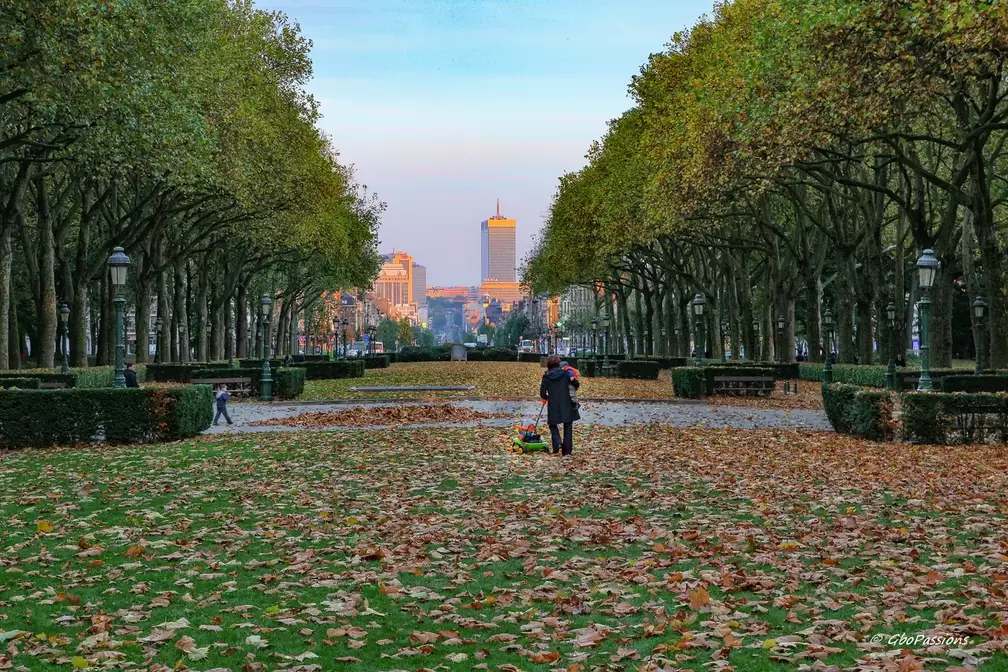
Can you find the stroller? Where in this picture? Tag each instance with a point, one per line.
(528, 440)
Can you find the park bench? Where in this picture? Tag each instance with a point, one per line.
(236, 386)
(743, 384)
(52, 385)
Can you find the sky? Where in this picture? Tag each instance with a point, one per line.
(445, 106)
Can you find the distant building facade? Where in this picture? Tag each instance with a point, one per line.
(419, 284)
(498, 252)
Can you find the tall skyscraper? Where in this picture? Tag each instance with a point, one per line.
(498, 248)
(419, 284)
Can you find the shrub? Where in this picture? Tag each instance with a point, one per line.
(638, 369)
(663, 362)
(492, 355)
(69, 379)
(529, 356)
(310, 358)
(376, 362)
(851, 374)
(689, 382)
(348, 368)
(942, 418)
(177, 372)
(779, 370)
(974, 384)
(114, 416)
(19, 383)
(416, 354)
(257, 363)
(863, 413)
(288, 382)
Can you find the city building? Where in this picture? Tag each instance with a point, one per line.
(498, 255)
(504, 292)
(419, 295)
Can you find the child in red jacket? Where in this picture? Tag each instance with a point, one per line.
(572, 374)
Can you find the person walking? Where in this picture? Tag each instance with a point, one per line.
(222, 397)
(560, 410)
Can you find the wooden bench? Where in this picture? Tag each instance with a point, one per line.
(743, 384)
(52, 385)
(236, 386)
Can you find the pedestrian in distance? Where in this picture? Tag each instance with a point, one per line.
(131, 376)
(560, 410)
(222, 398)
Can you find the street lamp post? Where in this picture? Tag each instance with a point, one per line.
(891, 371)
(345, 323)
(594, 326)
(118, 264)
(158, 327)
(664, 343)
(266, 377)
(605, 344)
(780, 338)
(827, 371)
(209, 330)
(979, 307)
(698, 309)
(64, 314)
(927, 268)
(756, 340)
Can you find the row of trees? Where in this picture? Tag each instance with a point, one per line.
(180, 130)
(788, 156)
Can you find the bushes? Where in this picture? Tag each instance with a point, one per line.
(779, 370)
(415, 354)
(288, 382)
(974, 384)
(180, 373)
(114, 416)
(530, 357)
(862, 413)
(638, 369)
(663, 362)
(19, 383)
(941, 418)
(376, 361)
(868, 375)
(492, 355)
(68, 380)
(689, 382)
(348, 368)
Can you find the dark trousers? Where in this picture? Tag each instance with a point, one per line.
(568, 438)
(222, 409)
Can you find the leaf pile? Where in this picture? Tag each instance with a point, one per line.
(661, 549)
(375, 416)
(809, 397)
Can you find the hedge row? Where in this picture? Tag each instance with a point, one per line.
(376, 361)
(492, 355)
(973, 384)
(288, 382)
(637, 369)
(863, 413)
(113, 416)
(942, 418)
(692, 382)
(86, 378)
(19, 383)
(779, 370)
(418, 354)
(663, 362)
(874, 375)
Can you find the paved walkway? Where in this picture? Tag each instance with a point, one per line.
(610, 413)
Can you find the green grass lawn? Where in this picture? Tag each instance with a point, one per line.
(658, 549)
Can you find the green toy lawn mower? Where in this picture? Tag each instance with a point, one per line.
(528, 440)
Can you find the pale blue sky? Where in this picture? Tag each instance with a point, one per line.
(445, 106)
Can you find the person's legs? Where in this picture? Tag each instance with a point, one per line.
(226, 416)
(568, 438)
(555, 435)
(217, 417)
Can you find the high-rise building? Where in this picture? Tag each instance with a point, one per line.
(395, 281)
(498, 248)
(419, 284)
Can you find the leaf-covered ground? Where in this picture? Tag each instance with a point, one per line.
(651, 548)
(513, 380)
(364, 416)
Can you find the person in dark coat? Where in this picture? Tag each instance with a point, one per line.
(130, 376)
(559, 410)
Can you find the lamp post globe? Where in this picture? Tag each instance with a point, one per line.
(927, 269)
(979, 308)
(266, 376)
(64, 316)
(699, 303)
(119, 264)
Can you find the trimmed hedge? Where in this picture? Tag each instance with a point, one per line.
(492, 355)
(86, 378)
(348, 368)
(529, 357)
(935, 417)
(178, 372)
(275, 362)
(637, 369)
(417, 354)
(779, 370)
(862, 413)
(689, 382)
(663, 362)
(288, 382)
(113, 416)
(19, 383)
(973, 384)
(376, 361)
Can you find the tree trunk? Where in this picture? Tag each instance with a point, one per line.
(181, 312)
(104, 352)
(939, 319)
(6, 305)
(45, 348)
(241, 322)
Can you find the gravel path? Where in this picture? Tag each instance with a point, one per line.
(609, 413)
